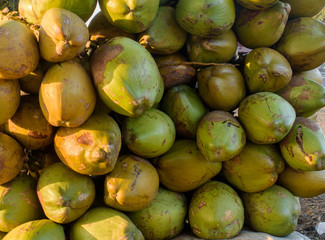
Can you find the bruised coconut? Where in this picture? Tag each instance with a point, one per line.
(62, 36)
(92, 148)
(11, 158)
(19, 50)
(304, 146)
(9, 98)
(126, 76)
(29, 126)
(67, 96)
(132, 184)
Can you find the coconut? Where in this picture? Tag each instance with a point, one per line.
(9, 98)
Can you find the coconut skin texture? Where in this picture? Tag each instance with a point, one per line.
(94, 224)
(255, 168)
(206, 18)
(164, 218)
(37, 229)
(19, 202)
(33, 10)
(9, 98)
(274, 211)
(216, 211)
(92, 148)
(302, 43)
(164, 36)
(64, 194)
(266, 70)
(266, 117)
(19, 49)
(67, 96)
(62, 36)
(301, 8)
(220, 136)
(126, 76)
(132, 184)
(183, 168)
(11, 158)
(133, 16)
(256, 4)
(304, 146)
(261, 28)
(29, 126)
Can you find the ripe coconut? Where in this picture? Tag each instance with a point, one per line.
(11, 158)
(29, 126)
(62, 36)
(19, 50)
(67, 96)
(9, 98)
(33, 10)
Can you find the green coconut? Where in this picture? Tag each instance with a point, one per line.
(266, 70)
(18, 202)
(305, 184)
(302, 8)
(218, 49)
(183, 168)
(131, 185)
(255, 168)
(33, 10)
(216, 211)
(221, 87)
(256, 4)
(261, 28)
(274, 211)
(130, 16)
(305, 95)
(302, 43)
(266, 117)
(104, 223)
(304, 146)
(149, 135)
(12, 157)
(62, 36)
(206, 18)
(19, 50)
(164, 36)
(174, 70)
(64, 194)
(126, 76)
(184, 106)
(37, 229)
(164, 218)
(92, 148)
(29, 126)
(220, 136)
(101, 30)
(9, 98)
